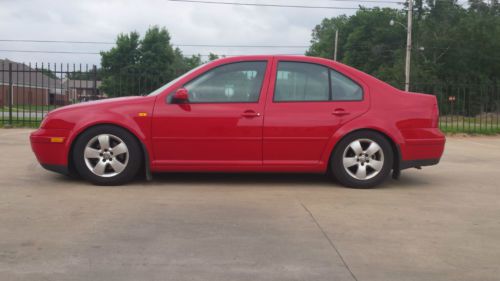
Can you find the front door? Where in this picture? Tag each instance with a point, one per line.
(220, 126)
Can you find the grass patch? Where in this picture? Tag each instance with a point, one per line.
(470, 128)
(29, 108)
(20, 123)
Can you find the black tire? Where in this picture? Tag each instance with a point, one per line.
(345, 177)
(132, 166)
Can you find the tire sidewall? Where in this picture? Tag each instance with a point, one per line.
(134, 150)
(337, 167)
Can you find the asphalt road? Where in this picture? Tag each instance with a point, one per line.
(441, 223)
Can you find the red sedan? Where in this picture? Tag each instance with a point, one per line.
(249, 114)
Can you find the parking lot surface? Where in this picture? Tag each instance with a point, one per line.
(441, 223)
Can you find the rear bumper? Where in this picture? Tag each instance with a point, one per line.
(50, 148)
(425, 145)
(418, 163)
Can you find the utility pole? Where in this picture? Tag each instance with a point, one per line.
(336, 44)
(408, 45)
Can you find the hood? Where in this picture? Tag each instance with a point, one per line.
(100, 111)
(99, 103)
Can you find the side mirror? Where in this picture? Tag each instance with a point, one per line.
(180, 96)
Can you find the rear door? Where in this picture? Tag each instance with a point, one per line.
(306, 104)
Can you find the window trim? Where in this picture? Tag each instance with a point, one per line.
(330, 92)
(170, 95)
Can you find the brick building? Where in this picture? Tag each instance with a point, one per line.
(83, 90)
(29, 86)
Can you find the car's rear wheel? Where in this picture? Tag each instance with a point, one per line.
(362, 160)
(107, 155)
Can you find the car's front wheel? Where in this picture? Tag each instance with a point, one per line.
(107, 155)
(362, 160)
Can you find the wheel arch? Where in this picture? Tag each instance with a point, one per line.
(394, 145)
(144, 149)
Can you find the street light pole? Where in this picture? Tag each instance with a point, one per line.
(408, 45)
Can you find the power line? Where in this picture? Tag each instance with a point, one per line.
(176, 45)
(202, 55)
(240, 46)
(366, 1)
(49, 52)
(90, 53)
(307, 7)
(55, 41)
(264, 5)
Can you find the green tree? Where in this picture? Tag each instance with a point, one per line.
(138, 66)
(49, 73)
(366, 41)
(213, 56)
(323, 37)
(156, 59)
(87, 74)
(120, 65)
(452, 44)
(183, 64)
(373, 45)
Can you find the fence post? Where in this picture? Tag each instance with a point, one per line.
(94, 77)
(11, 93)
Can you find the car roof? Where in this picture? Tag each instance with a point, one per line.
(300, 58)
(257, 57)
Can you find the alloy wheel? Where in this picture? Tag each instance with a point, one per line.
(106, 155)
(363, 159)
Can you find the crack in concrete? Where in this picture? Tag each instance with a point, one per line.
(329, 241)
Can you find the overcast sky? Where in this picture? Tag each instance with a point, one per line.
(188, 23)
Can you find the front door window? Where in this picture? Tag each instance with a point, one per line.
(236, 82)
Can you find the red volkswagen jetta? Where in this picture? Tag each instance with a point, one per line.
(249, 114)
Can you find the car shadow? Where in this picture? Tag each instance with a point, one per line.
(241, 179)
(275, 179)
(409, 180)
(406, 181)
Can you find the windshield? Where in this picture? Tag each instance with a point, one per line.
(162, 88)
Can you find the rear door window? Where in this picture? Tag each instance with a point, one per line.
(298, 81)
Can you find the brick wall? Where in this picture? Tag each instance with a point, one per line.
(25, 95)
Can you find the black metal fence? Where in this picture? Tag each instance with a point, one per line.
(466, 107)
(29, 91)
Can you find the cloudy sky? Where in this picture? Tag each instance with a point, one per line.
(188, 23)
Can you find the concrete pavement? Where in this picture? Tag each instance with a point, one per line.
(441, 223)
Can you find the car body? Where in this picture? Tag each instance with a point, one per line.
(254, 114)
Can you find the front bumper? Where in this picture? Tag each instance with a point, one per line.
(51, 148)
(60, 169)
